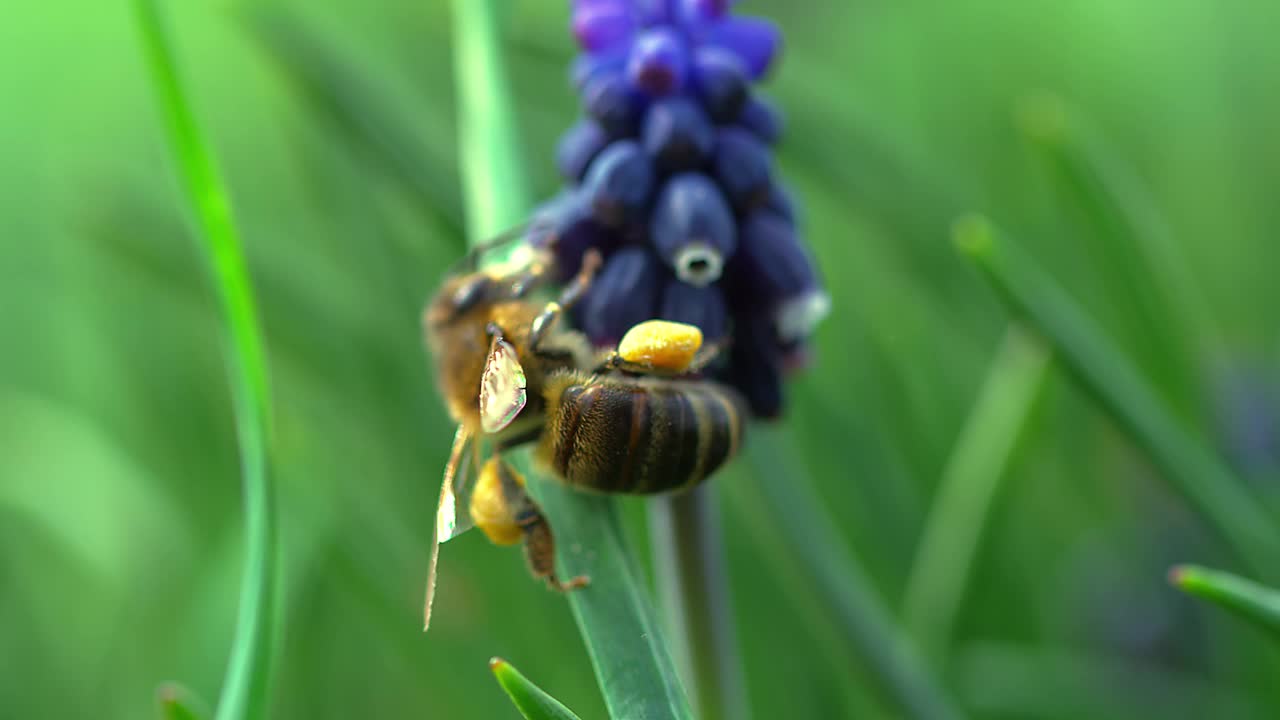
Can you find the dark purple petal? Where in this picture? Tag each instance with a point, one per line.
(609, 99)
(624, 294)
(658, 63)
(771, 264)
(600, 26)
(722, 83)
(578, 147)
(567, 227)
(743, 168)
(677, 134)
(782, 202)
(619, 182)
(755, 366)
(692, 228)
(755, 40)
(701, 12)
(762, 118)
(700, 306)
(587, 67)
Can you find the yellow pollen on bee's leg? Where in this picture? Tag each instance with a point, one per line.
(490, 508)
(661, 344)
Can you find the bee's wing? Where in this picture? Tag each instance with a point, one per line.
(502, 387)
(452, 516)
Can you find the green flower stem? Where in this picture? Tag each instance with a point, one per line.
(781, 507)
(246, 688)
(936, 586)
(689, 565)
(1121, 390)
(614, 614)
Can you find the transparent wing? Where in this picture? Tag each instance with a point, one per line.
(447, 515)
(502, 387)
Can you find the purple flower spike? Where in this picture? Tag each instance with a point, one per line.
(755, 40)
(693, 229)
(658, 62)
(625, 293)
(602, 24)
(567, 227)
(578, 147)
(700, 306)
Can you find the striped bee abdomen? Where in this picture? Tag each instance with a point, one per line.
(655, 436)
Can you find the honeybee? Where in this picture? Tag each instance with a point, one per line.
(632, 420)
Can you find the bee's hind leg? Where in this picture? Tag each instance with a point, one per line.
(540, 552)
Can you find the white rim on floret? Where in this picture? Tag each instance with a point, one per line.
(698, 263)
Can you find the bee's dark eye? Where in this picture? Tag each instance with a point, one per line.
(470, 293)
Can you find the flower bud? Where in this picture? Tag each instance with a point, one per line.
(756, 41)
(618, 183)
(743, 168)
(625, 293)
(677, 134)
(578, 147)
(755, 366)
(602, 24)
(692, 228)
(774, 272)
(567, 228)
(609, 99)
(658, 63)
(721, 82)
(703, 307)
(760, 117)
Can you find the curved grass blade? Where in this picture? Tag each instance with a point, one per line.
(780, 506)
(936, 586)
(245, 691)
(177, 703)
(614, 614)
(532, 701)
(1257, 603)
(1103, 372)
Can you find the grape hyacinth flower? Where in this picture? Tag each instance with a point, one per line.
(670, 175)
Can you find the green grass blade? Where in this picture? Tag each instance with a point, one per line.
(533, 702)
(693, 585)
(1122, 391)
(780, 506)
(939, 576)
(1256, 603)
(614, 614)
(177, 703)
(245, 691)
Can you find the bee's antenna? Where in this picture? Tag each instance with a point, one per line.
(471, 261)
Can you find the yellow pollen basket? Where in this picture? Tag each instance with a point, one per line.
(490, 509)
(661, 344)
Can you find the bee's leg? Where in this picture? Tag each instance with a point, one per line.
(706, 354)
(540, 551)
(572, 293)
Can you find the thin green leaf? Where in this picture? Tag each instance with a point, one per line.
(1250, 600)
(614, 614)
(533, 702)
(939, 576)
(780, 506)
(245, 691)
(689, 566)
(177, 703)
(1122, 391)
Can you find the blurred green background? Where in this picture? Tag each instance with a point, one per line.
(120, 523)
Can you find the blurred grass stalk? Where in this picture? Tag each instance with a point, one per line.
(1253, 602)
(246, 687)
(1121, 390)
(614, 616)
(781, 508)
(693, 588)
(939, 576)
